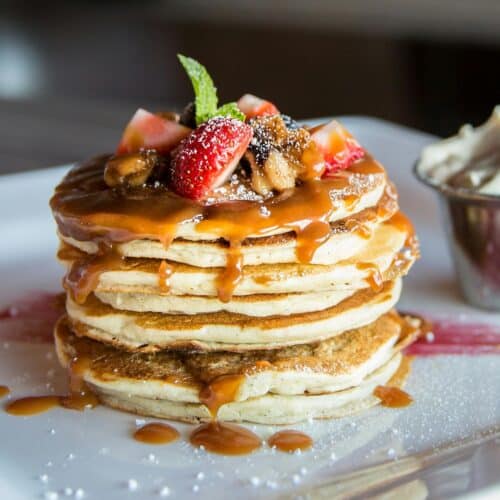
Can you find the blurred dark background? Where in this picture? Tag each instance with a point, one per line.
(72, 73)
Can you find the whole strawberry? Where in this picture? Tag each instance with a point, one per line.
(208, 156)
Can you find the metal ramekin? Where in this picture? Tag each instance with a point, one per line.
(472, 223)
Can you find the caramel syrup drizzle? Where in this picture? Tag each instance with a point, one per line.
(374, 278)
(79, 398)
(220, 391)
(4, 391)
(87, 210)
(232, 274)
(165, 271)
(221, 437)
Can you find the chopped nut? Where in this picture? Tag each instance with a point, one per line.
(130, 170)
(279, 172)
(259, 181)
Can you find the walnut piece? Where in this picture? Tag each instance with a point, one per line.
(130, 170)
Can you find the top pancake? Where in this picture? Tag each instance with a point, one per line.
(86, 209)
(384, 251)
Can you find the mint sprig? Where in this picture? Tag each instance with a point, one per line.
(231, 109)
(205, 93)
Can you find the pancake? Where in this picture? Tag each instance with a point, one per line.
(223, 330)
(282, 304)
(84, 207)
(347, 237)
(329, 378)
(386, 255)
(270, 409)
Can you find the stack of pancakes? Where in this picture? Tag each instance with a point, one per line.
(278, 321)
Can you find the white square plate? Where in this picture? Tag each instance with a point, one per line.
(457, 398)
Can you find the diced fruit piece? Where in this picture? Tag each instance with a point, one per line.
(208, 156)
(254, 106)
(338, 146)
(149, 131)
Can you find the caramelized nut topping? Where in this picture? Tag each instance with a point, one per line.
(260, 183)
(130, 170)
(279, 172)
(276, 154)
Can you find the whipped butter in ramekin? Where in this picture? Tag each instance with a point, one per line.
(465, 171)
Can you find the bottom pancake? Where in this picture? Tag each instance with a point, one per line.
(332, 378)
(270, 409)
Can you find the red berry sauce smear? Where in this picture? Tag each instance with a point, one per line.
(447, 336)
(31, 318)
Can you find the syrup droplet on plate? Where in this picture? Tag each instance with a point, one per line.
(225, 439)
(392, 397)
(32, 405)
(156, 433)
(4, 390)
(290, 441)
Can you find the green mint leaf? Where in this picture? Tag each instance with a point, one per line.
(231, 110)
(205, 93)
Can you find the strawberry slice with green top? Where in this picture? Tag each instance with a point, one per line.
(254, 106)
(339, 148)
(149, 131)
(208, 156)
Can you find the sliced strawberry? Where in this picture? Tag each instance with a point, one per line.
(208, 156)
(338, 146)
(254, 106)
(149, 131)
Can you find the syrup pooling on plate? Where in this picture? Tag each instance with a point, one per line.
(80, 396)
(87, 210)
(79, 399)
(4, 391)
